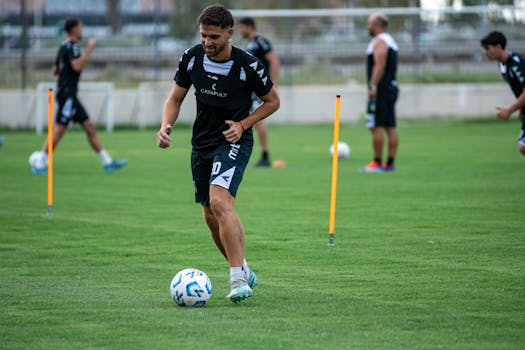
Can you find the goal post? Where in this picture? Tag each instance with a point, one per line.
(99, 102)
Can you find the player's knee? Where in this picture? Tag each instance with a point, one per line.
(90, 128)
(220, 206)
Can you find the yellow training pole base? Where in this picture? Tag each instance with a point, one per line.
(330, 240)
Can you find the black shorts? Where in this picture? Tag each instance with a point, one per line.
(70, 109)
(381, 111)
(222, 167)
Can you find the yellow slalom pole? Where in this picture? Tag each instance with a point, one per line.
(50, 152)
(335, 160)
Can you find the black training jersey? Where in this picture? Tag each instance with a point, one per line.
(223, 91)
(513, 71)
(389, 77)
(259, 47)
(67, 77)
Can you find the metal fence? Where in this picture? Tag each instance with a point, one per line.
(315, 45)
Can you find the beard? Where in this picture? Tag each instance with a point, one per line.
(371, 33)
(215, 50)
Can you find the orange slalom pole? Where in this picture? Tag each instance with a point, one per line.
(50, 152)
(335, 161)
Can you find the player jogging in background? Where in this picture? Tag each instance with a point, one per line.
(261, 48)
(382, 93)
(68, 66)
(224, 78)
(512, 68)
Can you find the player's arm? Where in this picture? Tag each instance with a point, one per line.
(78, 63)
(55, 69)
(505, 113)
(271, 103)
(170, 113)
(275, 66)
(380, 57)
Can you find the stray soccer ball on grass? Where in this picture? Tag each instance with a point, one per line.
(190, 287)
(38, 160)
(343, 150)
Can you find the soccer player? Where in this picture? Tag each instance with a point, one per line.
(224, 78)
(512, 68)
(261, 48)
(382, 93)
(68, 66)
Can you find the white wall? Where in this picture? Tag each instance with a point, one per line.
(300, 104)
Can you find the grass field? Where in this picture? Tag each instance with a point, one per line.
(432, 256)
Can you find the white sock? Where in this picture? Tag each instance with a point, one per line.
(236, 273)
(105, 158)
(247, 270)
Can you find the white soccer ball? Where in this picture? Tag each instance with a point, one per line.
(38, 160)
(191, 287)
(343, 150)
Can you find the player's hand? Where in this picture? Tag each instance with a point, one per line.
(163, 137)
(91, 43)
(234, 133)
(520, 117)
(372, 93)
(503, 113)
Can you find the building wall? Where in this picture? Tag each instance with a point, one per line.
(301, 104)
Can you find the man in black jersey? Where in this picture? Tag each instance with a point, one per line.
(381, 70)
(261, 48)
(68, 66)
(224, 78)
(512, 68)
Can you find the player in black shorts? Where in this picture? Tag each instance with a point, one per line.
(382, 93)
(512, 68)
(261, 48)
(68, 66)
(224, 78)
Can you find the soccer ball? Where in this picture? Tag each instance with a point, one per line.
(190, 287)
(343, 150)
(38, 160)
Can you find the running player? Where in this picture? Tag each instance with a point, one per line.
(261, 48)
(68, 66)
(224, 78)
(382, 92)
(512, 68)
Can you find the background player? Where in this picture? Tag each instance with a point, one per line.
(382, 92)
(512, 68)
(224, 78)
(68, 66)
(261, 48)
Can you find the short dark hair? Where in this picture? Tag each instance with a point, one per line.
(216, 15)
(247, 21)
(382, 20)
(70, 23)
(494, 38)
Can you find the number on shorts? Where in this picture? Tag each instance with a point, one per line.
(216, 169)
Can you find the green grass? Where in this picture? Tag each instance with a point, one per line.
(431, 256)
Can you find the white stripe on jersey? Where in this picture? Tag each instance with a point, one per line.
(221, 68)
(387, 38)
(190, 63)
